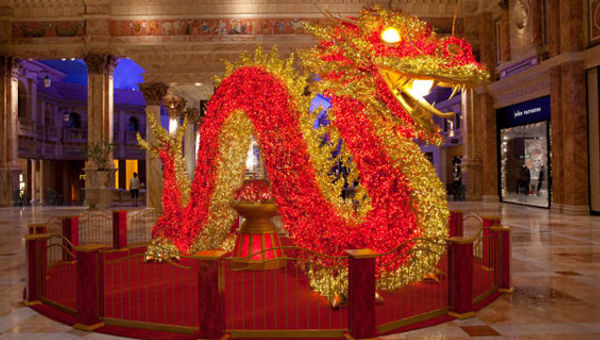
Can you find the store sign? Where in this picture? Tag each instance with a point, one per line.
(533, 111)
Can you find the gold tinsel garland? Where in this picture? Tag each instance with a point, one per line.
(175, 145)
(234, 141)
(429, 196)
(320, 156)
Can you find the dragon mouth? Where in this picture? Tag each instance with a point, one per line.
(410, 93)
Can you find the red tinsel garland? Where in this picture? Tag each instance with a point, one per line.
(309, 217)
(254, 191)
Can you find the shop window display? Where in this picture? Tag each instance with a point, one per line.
(524, 166)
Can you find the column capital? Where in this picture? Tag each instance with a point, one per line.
(154, 92)
(10, 66)
(100, 63)
(175, 105)
(194, 115)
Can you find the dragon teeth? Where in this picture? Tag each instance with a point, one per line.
(454, 90)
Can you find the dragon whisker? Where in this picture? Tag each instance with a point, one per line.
(455, 15)
(454, 90)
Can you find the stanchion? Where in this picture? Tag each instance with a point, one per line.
(456, 223)
(361, 293)
(119, 229)
(211, 293)
(70, 231)
(502, 277)
(460, 277)
(37, 262)
(90, 287)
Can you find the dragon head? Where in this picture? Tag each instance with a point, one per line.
(393, 60)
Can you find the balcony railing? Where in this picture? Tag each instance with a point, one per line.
(26, 127)
(52, 133)
(74, 135)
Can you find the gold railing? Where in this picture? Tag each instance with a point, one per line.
(140, 224)
(156, 296)
(276, 303)
(418, 289)
(59, 286)
(95, 226)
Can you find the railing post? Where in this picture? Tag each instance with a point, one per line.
(90, 287)
(486, 241)
(502, 277)
(456, 223)
(211, 293)
(70, 231)
(460, 277)
(361, 293)
(37, 262)
(119, 229)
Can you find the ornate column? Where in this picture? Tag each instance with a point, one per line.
(472, 162)
(487, 113)
(505, 27)
(32, 111)
(32, 191)
(99, 185)
(189, 143)
(553, 12)
(536, 18)
(9, 166)
(556, 137)
(571, 25)
(573, 120)
(490, 148)
(153, 93)
(570, 172)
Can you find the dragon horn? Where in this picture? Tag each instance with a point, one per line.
(352, 22)
(410, 38)
(455, 15)
(337, 20)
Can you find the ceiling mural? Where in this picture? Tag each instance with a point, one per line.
(48, 29)
(202, 28)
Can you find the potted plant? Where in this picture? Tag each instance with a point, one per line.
(98, 153)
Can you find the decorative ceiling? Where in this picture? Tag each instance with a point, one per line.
(182, 42)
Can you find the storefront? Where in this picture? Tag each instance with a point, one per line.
(524, 165)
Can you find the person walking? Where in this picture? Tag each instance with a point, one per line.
(134, 187)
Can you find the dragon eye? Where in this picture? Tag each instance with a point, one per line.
(390, 35)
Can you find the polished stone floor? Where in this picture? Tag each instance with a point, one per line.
(556, 275)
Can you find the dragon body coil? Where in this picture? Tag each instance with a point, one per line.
(374, 81)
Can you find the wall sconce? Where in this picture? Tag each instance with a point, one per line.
(47, 81)
(66, 116)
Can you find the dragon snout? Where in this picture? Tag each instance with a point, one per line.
(410, 91)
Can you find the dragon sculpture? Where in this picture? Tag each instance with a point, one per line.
(375, 69)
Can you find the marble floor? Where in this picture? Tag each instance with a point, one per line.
(556, 275)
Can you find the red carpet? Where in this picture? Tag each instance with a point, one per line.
(254, 300)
